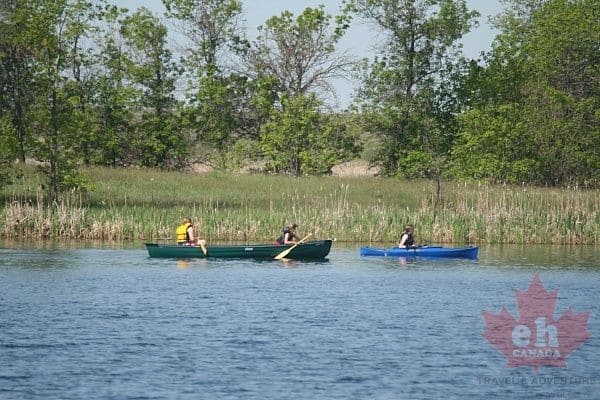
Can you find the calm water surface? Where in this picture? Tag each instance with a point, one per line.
(97, 322)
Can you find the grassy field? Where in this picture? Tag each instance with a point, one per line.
(134, 204)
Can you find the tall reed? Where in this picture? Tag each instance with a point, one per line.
(131, 204)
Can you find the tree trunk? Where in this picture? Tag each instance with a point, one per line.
(53, 153)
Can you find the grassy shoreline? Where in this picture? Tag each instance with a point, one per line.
(134, 204)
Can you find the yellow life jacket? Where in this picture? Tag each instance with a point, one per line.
(182, 233)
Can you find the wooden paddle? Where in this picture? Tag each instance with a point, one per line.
(287, 251)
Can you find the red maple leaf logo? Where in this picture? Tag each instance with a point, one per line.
(536, 339)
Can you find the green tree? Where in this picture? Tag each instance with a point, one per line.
(8, 151)
(540, 88)
(300, 52)
(56, 29)
(81, 68)
(216, 92)
(17, 57)
(158, 140)
(211, 28)
(498, 128)
(114, 96)
(564, 91)
(297, 59)
(300, 140)
(405, 92)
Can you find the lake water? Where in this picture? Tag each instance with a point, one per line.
(106, 322)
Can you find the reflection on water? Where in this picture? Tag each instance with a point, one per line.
(65, 244)
(190, 263)
(80, 321)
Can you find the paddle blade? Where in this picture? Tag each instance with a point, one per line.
(283, 253)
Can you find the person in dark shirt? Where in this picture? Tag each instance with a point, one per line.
(288, 235)
(407, 239)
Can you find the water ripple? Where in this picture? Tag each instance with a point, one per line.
(96, 323)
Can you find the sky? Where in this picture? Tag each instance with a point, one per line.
(256, 12)
(359, 40)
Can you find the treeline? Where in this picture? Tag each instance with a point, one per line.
(86, 82)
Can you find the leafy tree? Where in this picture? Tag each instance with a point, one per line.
(81, 72)
(159, 140)
(300, 140)
(300, 52)
(212, 29)
(114, 96)
(295, 59)
(547, 57)
(17, 90)
(56, 30)
(500, 129)
(405, 89)
(8, 151)
(213, 114)
(564, 90)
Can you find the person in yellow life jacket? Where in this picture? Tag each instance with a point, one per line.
(186, 235)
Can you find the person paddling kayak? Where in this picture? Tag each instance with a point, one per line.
(407, 239)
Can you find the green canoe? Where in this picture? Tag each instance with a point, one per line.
(304, 251)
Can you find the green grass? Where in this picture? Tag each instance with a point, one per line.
(135, 204)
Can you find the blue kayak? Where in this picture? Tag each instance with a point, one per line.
(422, 251)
